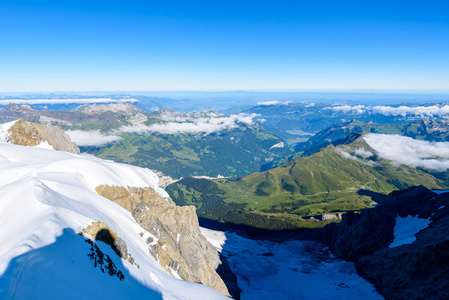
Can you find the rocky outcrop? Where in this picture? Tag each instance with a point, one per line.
(181, 248)
(410, 271)
(32, 134)
(100, 231)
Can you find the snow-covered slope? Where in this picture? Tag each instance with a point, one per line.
(4, 130)
(46, 198)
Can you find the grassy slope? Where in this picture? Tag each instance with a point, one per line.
(285, 197)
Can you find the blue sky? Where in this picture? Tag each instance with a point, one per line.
(223, 45)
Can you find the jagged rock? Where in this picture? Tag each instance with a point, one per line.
(181, 248)
(360, 234)
(410, 271)
(32, 134)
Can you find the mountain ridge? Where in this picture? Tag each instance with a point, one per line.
(293, 195)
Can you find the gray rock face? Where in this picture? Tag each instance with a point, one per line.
(181, 248)
(31, 134)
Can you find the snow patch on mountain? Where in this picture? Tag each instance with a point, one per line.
(406, 228)
(215, 237)
(440, 191)
(4, 130)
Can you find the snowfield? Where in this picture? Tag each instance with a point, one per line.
(289, 270)
(46, 198)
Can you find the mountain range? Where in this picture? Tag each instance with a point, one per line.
(108, 224)
(306, 192)
(175, 144)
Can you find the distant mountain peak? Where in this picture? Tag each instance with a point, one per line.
(16, 108)
(127, 108)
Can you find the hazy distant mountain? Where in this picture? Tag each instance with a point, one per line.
(424, 129)
(176, 144)
(65, 102)
(298, 121)
(200, 144)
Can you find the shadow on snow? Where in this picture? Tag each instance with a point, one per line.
(70, 269)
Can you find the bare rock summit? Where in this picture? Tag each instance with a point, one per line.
(32, 134)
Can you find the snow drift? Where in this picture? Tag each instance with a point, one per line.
(46, 198)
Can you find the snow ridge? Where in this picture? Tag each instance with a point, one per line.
(46, 197)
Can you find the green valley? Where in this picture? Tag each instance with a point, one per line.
(229, 153)
(301, 192)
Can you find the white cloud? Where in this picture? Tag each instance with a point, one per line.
(421, 111)
(65, 101)
(410, 152)
(363, 152)
(360, 152)
(172, 123)
(204, 122)
(275, 102)
(357, 109)
(91, 138)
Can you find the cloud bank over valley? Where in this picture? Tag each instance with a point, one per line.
(410, 152)
(168, 123)
(275, 102)
(91, 138)
(441, 111)
(66, 101)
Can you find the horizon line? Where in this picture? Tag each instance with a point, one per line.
(330, 91)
